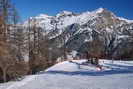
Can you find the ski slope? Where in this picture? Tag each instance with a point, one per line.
(74, 75)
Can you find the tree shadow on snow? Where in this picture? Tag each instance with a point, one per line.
(116, 69)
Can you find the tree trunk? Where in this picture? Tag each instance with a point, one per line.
(112, 60)
(97, 61)
(4, 74)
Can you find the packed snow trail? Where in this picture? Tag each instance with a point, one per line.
(68, 75)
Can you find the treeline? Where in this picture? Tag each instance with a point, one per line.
(23, 49)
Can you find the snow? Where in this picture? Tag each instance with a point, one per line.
(128, 21)
(79, 19)
(74, 75)
(123, 36)
(22, 83)
(72, 55)
(44, 20)
(64, 13)
(109, 30)
(100, 10)
(88, 40)
(43, 16)
(67, 18)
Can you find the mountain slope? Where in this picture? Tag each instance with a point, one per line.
(73, 75)
(68, 28)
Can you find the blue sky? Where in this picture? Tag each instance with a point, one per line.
(27, 8)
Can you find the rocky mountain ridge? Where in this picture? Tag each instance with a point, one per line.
(76, 31)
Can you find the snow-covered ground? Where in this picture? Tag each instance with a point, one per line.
(74, 75)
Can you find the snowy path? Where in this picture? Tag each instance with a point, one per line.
(69, 75)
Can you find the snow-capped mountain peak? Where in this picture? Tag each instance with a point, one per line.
(123, 19)
(83, 27)
(64, 13)
(67, 18)
(100, 10)
(43, 15)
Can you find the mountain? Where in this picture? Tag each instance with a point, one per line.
(76, 31)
